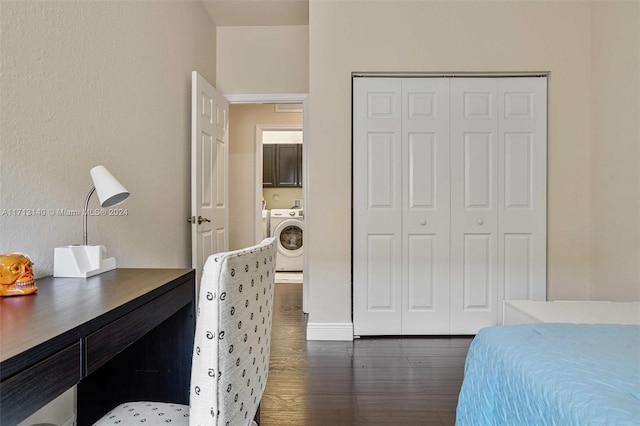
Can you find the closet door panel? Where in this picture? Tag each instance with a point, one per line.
(420, 275)
(377, 206)
(422, 171)
(426, 202)
(479, 180)
(517, 267)
(522, 159)
(474, 213)
(380, 270)
(478, 272)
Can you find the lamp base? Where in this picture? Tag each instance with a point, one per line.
(81, 261)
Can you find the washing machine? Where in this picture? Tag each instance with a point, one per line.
(286, 226)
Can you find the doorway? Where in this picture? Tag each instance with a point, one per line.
(249, 117)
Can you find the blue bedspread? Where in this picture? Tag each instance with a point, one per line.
(552, 374)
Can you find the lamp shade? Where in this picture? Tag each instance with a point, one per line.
(110, 191)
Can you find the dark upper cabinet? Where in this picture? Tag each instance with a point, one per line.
(268, 166)
(287, 165)
(282, 165)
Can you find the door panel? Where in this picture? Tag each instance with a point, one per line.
(426, 200)
(478, 170)
(422, 170)
(478, 273)
(220, 175)
(380, 270)
(268, 165)
(377, 207)
(287, 165)
(207, 159)
(522, 180)
(474, 213)
(518, 264)
(380, 180)
(420, 276)
(518, 150)
(207, 245)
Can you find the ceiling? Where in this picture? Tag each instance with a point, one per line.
(225, 13)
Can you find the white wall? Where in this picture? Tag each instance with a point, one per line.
(408, 36)
(87, 83)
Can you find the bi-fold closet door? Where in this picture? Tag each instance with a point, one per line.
(449, 201)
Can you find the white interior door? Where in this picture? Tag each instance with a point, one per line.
(209, 173)
(377, 203)
(426, 199)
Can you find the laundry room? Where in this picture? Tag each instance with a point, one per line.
(265, 159)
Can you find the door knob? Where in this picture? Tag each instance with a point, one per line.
(200, 219)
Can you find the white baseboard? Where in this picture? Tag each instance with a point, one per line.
(70, 422)
(329, 331)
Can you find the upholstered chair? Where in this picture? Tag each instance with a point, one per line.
(230, 361)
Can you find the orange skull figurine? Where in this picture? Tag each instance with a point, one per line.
(16, 275)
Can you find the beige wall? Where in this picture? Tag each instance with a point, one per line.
(281, 198)
(242, 165)
(263, 59)
(436, 36)
(86, 83)
(615, 150)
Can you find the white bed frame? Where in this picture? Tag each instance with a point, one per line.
(591, 312)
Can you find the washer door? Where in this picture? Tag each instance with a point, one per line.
(289, 236)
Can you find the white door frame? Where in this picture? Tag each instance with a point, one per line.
(279, 98)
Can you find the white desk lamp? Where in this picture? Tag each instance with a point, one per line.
(85, 260)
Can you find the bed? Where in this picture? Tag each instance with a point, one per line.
(574, 311)
(552, 374)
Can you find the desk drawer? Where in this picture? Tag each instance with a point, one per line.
(115, 337)
(21, 395)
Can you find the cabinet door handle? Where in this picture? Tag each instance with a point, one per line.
(480, 222)
(423, 222)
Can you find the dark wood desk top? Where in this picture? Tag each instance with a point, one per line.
(66, 309)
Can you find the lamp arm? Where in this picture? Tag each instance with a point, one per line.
(86, 216)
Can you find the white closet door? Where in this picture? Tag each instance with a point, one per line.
(377, 206)
(425, 219)
(449, 201)
(522, 201)
(474, 204)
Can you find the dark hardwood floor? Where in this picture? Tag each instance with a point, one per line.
(370, 381)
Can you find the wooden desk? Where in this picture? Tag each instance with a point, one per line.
(122, 335)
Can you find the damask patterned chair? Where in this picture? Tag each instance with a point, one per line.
(232, 346)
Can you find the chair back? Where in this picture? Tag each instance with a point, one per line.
(233, 335)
